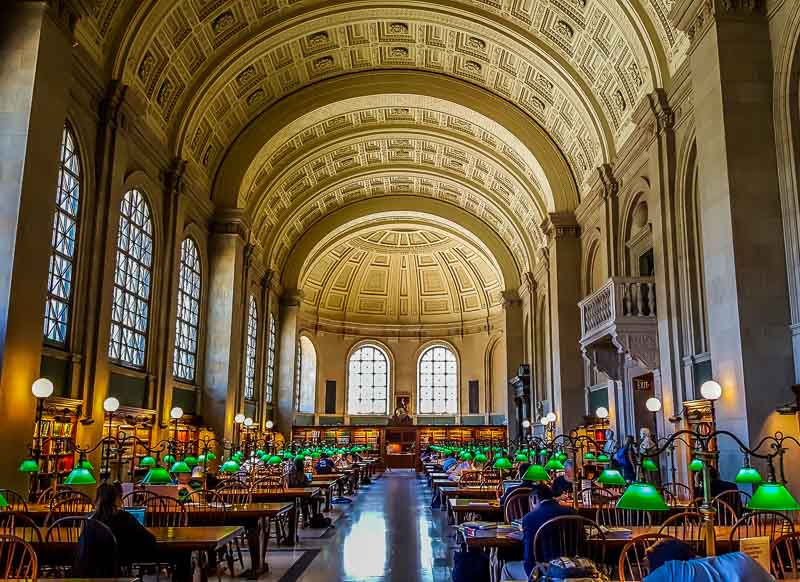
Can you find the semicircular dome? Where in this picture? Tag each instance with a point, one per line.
(402, 275)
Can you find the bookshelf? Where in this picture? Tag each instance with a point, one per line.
(56, 436)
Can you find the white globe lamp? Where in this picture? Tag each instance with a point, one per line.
(42, 388)
(711, 390)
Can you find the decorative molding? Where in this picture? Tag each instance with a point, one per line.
(110, 107)
(560, 225)
(609, 182)
(695, 17)
(231, 222)
(173, 178)
(663, 112)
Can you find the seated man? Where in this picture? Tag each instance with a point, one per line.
(672, 560)
(449, 463)
(543, 509)
(324, 466)
(717, 485)
(562, 485)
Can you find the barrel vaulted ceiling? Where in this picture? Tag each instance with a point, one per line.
(219, 80)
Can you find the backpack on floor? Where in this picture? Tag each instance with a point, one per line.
(470, 566)
(319, 521)
(568, 570)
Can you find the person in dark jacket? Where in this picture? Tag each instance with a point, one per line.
(133, 542)
(543, 508)
(325, 466)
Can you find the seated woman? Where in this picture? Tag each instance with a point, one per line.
(297, 478)
(133, 542)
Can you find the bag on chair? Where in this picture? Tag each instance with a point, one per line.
(568, 570)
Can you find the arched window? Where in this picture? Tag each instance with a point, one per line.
(252, 338)
(187, 321)
(306, 375)
(368, 381)
(270, 371)
(132, 280)
(63, 242)
(437, 381)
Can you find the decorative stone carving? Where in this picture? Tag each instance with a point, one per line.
(609, 182)
(318, 39)
(475, 43)
(472, 66)
(323, 63)
(399, 52)
(565, 29)
(146, 67)
(398, 28)
(256, 97)
(561, 225)
(223, 22)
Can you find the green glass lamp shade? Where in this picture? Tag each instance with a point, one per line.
(562, 457)
(274, 460)
(611, 477)
(260, 453)
(299, 458)
(521, 458)
(536, 473)
(305, 452)
(157, 476)
(554, 464)
(3, 501)
(169, 459)
(210, 456)
(180, 467)
(696, 465)
(503, 463)
(649, 465)
(85, 464)
(316, 455)
(147, 461)
(589, 456)
(603, 458)
(80, 476)
(230, 466)
(29, 466)
(287, 456)
(642, 496)
(748, 476)
(543, 452)
(773, 496)
(466, 456)
(481, 458)
(201, 459)
(191, 461)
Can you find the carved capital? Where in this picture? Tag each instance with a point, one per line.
(608, 181)
(511, 299)
(665, 116)
(560, 225)
(232, 222)
(269, 279)
(173, 177)
(292, 297)
(695, 17)
(530, 281)
(110, 109)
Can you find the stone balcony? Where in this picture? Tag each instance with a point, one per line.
(619, 323)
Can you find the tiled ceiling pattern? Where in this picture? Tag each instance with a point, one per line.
(282, 239)
(402, 276)
(578, 67)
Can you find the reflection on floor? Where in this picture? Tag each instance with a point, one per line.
(388, 533)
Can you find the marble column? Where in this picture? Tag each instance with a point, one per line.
(35, 72)
(512, 304)
(224, 333)
(743, 245)
(563, 257)
(289, 307)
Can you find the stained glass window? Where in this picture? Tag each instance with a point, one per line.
(252, 338)
(187, 322)
(270, 371)
(63, 243)
(130, 310)
(438, 381)
(368, 381)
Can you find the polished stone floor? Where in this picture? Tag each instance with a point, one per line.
(389, 533)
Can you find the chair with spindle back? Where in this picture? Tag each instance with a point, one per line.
(724, 514)
(785, 557)
(206, 507)
(64, 530)
(18, 560)
(14, 523)
(15, 501)
(490, 478)
(771, 524)
(597, 496)
(517, 504)
(633, 565)
(470, 478)
(677, 492)
(68, 503)
(270, 482)
(137, 498)
(569, 535)
(686, 526)
(736, 498)
(611, 516)
(164, 512)
(234, 494)
(47, 495)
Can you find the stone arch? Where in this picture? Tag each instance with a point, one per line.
(635, 228)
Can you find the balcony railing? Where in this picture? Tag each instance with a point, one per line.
(619, 300)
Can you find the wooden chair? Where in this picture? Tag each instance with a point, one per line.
(490, 478)
(47, 495)
(517, 504)
(569, 535)
(597, 496)
(738, 500)
(15, 501)
(164, 512)
(68, 505)
(235, 494)
(754, 524)
(270, 482)
(137, 498)
(679, 492)
(633, 565)
(75, 497)
(470, 478)
(785, 557)
(611, 516)
(18, 560)
(686, 526)
(14, 523)
(724, 514)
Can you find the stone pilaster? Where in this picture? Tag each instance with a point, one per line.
(743, 245)
(512, 306)
(290, 307)
(563, 254)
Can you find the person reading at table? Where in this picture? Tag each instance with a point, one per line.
(449, 462)
(324, 466)
(543, 508)
(460, 467)
(670, 560)
(563, 484)
(133, 542)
